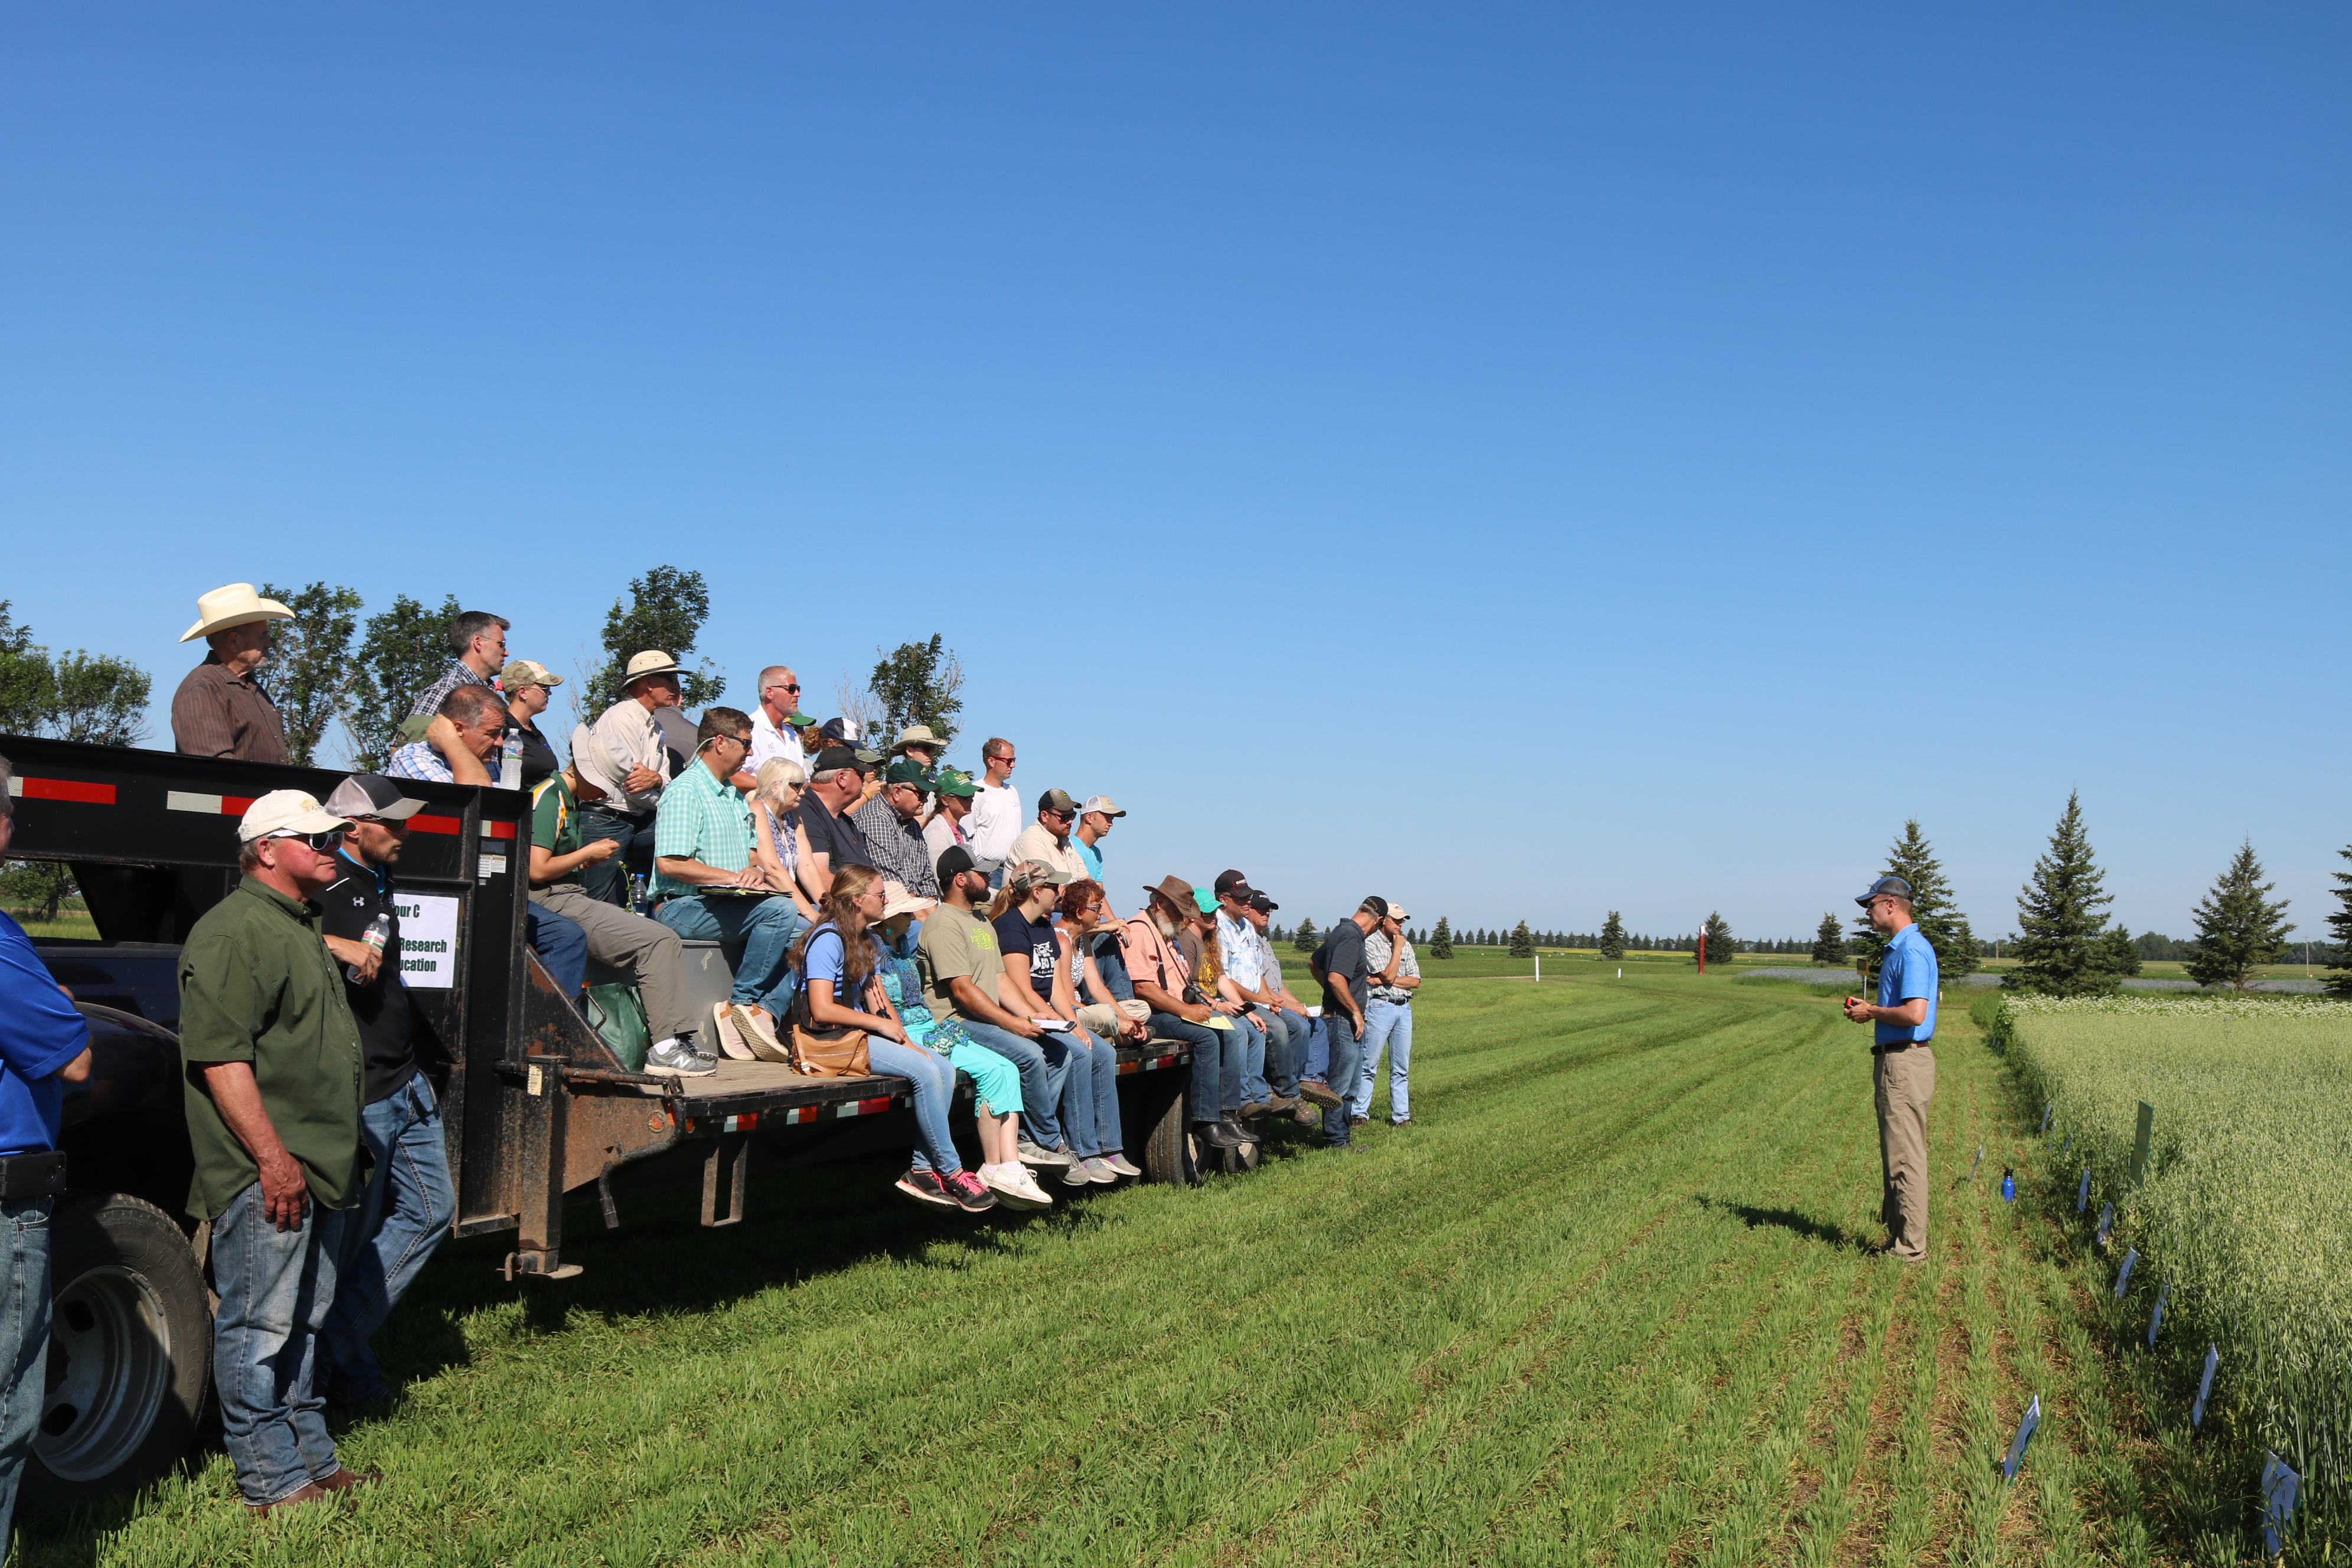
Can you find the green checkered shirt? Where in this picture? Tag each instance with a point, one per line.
(701, 818)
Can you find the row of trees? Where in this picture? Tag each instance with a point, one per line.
(77, 696)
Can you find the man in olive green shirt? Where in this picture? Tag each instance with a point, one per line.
(274, 1067)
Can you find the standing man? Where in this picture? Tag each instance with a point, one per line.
(220, 709)
(44, 1046)
(274, 1067)
(623, 760)
(478, 641)
(995, 819)
(1346, 979)
(1903, 1075)
(1162, 978)
(892, 824)
(405, 1209)
(777, 725)
(1388, 1018)
(945, 830)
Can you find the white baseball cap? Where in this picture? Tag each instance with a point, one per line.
(1103, 803)
(288, 811)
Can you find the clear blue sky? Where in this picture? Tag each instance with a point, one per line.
(1524, 461)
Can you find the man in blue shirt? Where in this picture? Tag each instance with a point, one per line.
(44, 1046)
(1903, 1070)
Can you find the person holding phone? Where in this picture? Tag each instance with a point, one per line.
(1903, 1067)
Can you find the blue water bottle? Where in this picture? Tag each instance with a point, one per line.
(2007, 1186)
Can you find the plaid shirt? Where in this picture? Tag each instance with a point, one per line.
(429, 701)
(1375, 959)
(900, 852)
(417, 760)
(702, 818)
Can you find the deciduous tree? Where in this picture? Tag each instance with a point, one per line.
(665, 609)
(918, 684)
(402, 651)
(2237, 930)
(311, 672)
(2061, 948)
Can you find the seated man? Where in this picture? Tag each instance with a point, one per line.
(1302, 1030)
(1035, 985)
(469, 725)
(1161, 979)
(1241, 964)
(827, 817)
(707, 888)
(1048, 837)
(891, 824)
(612, 934)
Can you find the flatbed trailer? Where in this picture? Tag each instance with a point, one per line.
(536, 1108)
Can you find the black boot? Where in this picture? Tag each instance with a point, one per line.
(1214, 1134)
(1242, 1130)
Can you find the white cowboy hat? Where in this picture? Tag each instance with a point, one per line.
(239, 605)
(901, 902)
(653, 661)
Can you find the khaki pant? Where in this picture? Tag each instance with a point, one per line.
(619, 938)
(1904, 1082)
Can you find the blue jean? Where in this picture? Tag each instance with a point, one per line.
(1089, 1104)
(1216, 1065)
(561, 946)
(1110, 958)
(1043, 1064)
(1287, 1035)
(609, 881)
(403, 1213)
(1389, 1024)
(276, 1287)
(1342, 1060)
(756, 935)
(1251, 1039)
(934, 1078)
(23, 1339)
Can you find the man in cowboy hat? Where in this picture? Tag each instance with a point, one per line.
(1160, 978)
(274, 1067)
(220, 711)
(623, 758)
(1903, 1068)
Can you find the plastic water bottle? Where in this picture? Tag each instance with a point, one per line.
(510, 763)
(378, 934)
(2008, 1187)
(638, 891)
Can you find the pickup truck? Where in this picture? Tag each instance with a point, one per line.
(538, 1110)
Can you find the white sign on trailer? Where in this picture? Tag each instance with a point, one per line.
(428, 940)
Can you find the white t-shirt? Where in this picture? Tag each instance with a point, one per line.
(771, 739)
(994, 823)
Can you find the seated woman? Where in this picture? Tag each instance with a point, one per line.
(996, 1082)
(1101, 1013)
(779, 851)
(838, 960)
(1035, 985)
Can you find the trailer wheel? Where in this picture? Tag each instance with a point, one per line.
(1170, 1153)
(131, 1350)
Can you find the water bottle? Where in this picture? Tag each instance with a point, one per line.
(638, 891)
(378, 934)
(2008, 1187)
(510, 763)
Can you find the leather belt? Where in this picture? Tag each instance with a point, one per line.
(41, 1174)
(1893, 1046)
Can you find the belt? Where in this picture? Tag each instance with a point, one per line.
(37, 1175)
(1895, 1046)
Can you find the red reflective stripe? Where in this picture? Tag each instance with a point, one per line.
(236, 805)
(869, 1107)
(497, 830)
(67, 789)
(421, 822)
(1130, 1067)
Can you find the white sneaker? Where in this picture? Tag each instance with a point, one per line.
(1031, 1154)
(1013, 1185)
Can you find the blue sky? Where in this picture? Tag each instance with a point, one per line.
(1524, 461)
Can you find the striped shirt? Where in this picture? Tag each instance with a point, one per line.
(702, 818)
(217, 714)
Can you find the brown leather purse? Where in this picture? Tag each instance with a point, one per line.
(822, 1053)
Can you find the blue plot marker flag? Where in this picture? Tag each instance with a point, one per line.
(2025, 1429)
(2279, 1487)
(2106, 1218)
(2048, 1107)
(2083, 1195)
(2205, 1386)
(2123, 1280)
(2155, 1319)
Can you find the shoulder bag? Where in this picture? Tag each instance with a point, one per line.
(822, 1052)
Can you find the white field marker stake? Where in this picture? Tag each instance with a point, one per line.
(2156, 1321)
(2025, 1429)
(1540, 968)
(2204, 1388)
(2279, 1487)
(2123, 1276)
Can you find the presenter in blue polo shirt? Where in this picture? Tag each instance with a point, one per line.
(1903, 1067)
(44, 1046)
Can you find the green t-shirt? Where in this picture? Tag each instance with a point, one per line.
(555, 824)
(257, 984)
(956, 944)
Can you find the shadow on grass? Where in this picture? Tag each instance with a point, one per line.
(1804, 1225)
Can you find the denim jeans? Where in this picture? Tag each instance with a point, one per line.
(1043, 1064)
(403, 1213)
(1216, 1065)
(1345, 1054)
(23, 1339)
(1286, 1049)
(756, 935)
(276, 1287)
(610, 880)
(1089, 1105)
(1389, 1024)
(1110, 958)
(934, 1078)
(1251, 1039)
(561, 946)
(1315, 1066)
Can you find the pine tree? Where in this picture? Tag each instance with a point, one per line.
(1523, 941)
(2123, 952)
(2237, 930)
(1441, 941)
(2062, 947)
(1719, 943)
(1828, 941)
(1309, 939)
(1945, 929)
(2340, 973)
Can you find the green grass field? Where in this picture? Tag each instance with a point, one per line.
(1605, 1302)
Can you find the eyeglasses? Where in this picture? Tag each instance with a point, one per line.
(322, 843)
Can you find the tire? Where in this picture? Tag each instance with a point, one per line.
(1170, 1153)
(131, 1350)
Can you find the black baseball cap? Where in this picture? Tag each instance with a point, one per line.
(1882, 887)
(1375, 905)
(834, 758)
(955, 858)
(1263, 904)
(1228, 880)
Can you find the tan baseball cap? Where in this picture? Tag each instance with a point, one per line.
(1103, 803)
(521, 672)
(1397, 912)
(288, 811)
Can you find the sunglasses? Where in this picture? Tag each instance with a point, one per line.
(794, 688)
(323, 842)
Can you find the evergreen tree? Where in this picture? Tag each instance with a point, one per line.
(402, 651)
(2123, 952)
(2061, 949)
(310, 668)
(1441, 941)
(1613, 937)
(2340, 973)
(664, 610)
(1523, 941)
(2237, 928)
(1945, 929)
(1719, 943)
(1309, 939)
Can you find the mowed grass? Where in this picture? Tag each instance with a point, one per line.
(1606, 1302)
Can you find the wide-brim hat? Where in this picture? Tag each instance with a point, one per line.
(1176, 890)
(918, 735)
(653, 661)
(901, 902)
(239, 605)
